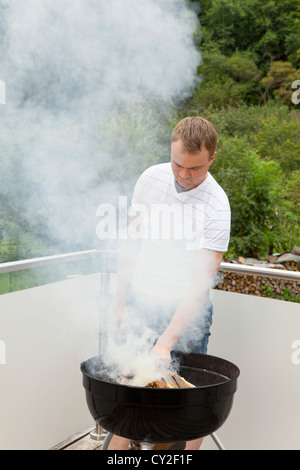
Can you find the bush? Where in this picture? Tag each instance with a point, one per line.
(226, 81)
(279, 139)
(278, 81)
(252, 186)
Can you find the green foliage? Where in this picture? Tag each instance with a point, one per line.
(278, 81)
(242, 67)
(285, 294)
(279, 139)
(252, 187)
(220, 19)
(226, 81)
(270, 132)
(267, 27)
(133, 139)
(290, 214)
(251, 51)
(251, 57)
(19, 280)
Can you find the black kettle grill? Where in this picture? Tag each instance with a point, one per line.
(163, 415)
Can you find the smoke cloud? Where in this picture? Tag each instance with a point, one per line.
(89, 87)
(127, 346)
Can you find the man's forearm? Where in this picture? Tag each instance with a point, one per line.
(183, 316)
(194, 300)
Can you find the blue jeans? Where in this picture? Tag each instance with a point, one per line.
(156, 314)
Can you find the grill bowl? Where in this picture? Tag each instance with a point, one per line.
(163, 415)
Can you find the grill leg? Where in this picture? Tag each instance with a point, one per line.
(106, 441)
(97, 434)
(217, 441)
(147, 445)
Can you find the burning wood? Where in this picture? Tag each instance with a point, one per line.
(160, 383)
(144, 375)
(173, 381)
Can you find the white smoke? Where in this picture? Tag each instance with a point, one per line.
(127, 346)
(89, 84)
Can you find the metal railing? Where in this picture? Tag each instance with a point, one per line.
(14, 266)
(260, 271)
(80, 255)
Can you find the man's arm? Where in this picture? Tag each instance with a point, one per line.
(209, 263)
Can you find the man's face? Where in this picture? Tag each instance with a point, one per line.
(189, 169)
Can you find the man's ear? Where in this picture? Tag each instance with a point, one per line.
(212, 158)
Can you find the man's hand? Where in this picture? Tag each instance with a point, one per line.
(161, 354)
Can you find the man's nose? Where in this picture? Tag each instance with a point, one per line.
(184, 173)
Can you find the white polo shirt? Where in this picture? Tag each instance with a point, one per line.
(174, 227)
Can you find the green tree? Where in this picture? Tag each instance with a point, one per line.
(279, 139)
(242, 67)
(290, 215)
(133, 138)
(278, 81)
(269, 28)
(220, 20)
(253, 189)
(226, 81)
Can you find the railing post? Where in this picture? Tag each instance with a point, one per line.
(99, 433)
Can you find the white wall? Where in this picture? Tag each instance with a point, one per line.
(47, 332)
(257, 334)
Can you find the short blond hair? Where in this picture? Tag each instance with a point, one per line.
(196, 133)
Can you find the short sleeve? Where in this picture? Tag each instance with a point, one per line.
(217, 230)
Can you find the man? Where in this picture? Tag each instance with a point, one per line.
(171, 273)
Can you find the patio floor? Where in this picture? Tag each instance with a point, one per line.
(83, 441)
